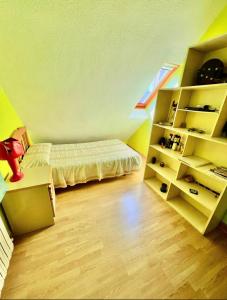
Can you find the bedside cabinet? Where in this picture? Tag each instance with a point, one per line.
(29, 204)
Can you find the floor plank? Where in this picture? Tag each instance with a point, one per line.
(117, 239)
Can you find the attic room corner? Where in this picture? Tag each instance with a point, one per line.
(121, 190)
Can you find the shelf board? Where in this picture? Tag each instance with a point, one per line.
(169, 152)
(220, 140)
(206, 86)
(155, 184)
(174, 89)
(164, 126)
(205, 198)
(187, 211)
(206, 170)
(185, 131)
(198, 111)
(204, 136)
(194, 161)
(166, 172)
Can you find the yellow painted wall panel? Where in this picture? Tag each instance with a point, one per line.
(9, 121)
(140, 139)
(218, 27)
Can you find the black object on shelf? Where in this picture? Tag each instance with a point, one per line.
(194, 191)
(163, 188)
(216, 194)
(212, 71)
(224, 130)
(192, 129)
(169, 141)
(162, 141)
(196, 108)
(153, 160)
(205, 108)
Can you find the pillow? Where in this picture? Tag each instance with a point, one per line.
(37, 155)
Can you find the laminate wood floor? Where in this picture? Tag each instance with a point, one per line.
(117, 239)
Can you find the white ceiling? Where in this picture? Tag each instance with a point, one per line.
(74, 69)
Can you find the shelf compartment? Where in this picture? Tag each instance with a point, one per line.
(200, 165)
(163, 109)
(198, 111)
(159, 131)
(205, 169)
(194, 161)
(203, 180)
(198, 54)
(189, 213)
(206, 150)
(184, 131)
(222, 119)
(204, 121)
(155, 180)
(194, 97)
(155, 184)
(170, 163)
(166, 172)
(166, 151)
(168, 160)
(205, 201)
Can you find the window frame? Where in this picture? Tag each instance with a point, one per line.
(154, 93)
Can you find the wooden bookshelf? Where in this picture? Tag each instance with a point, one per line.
(201, 151)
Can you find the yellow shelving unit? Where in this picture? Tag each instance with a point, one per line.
(169, 152)
(204, 199)
(191, 214)
(155, 183)
(166, 172)
(201, 151)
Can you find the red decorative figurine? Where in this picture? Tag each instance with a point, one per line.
(10, 150)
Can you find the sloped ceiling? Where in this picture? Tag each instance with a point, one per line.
(75, 69)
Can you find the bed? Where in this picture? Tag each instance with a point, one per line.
(79, 163)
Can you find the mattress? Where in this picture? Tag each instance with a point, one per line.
(79, 163)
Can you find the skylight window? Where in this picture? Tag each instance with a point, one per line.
(158, 82)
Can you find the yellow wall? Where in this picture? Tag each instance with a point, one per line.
(140, 139)
(218, 27)
(9, 121)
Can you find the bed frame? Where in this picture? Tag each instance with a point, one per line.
(21, 135)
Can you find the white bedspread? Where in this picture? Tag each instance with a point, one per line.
(83, 162)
